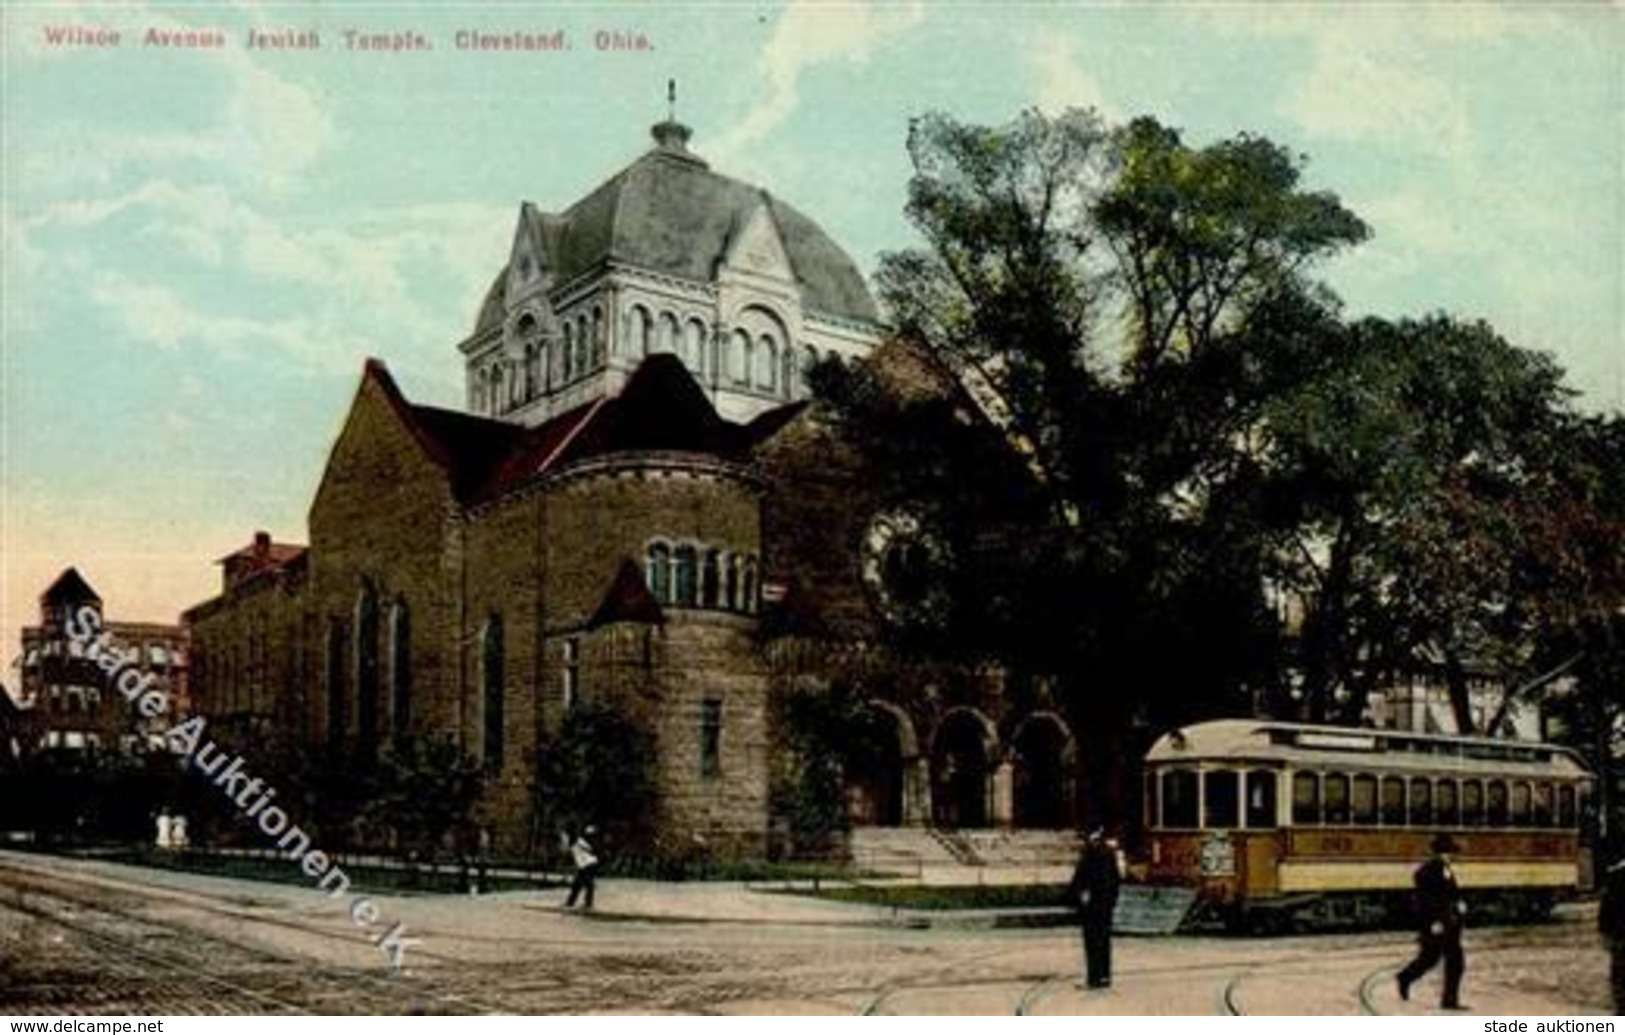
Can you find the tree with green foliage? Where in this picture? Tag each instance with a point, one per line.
(600, 769)
(425, 792)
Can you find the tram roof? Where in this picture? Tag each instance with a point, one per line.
(1343, 747)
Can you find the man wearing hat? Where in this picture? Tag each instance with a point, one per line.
(1094, 892)
(1439, 912)
(586, 863)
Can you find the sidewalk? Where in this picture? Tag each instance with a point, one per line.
(733, 902)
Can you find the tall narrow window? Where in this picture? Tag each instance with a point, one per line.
(711, 738)
(684, 576)
(336, 719)
(694, 346)
(739, 357)
(533, 370)
(567, 356)
(366, 674)
(748, 586)
(491, 670)
(1335, 791)
(1222, 798)
(1306, 799)
(400, 670)
(642, 328)
(1363, 800)
(1393, 801)
(1261, 799)
(659, 574)
(583, 346)
(598, 344)
(709, 579)
(670, 335)
(766, 361)
(730, 587)
(570, 675)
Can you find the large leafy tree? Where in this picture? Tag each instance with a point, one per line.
(1118, 306)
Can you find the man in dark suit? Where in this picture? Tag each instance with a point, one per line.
(1440, 911)
(1611, 923)
(1094, 892)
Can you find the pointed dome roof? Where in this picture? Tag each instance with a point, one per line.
(669, 213)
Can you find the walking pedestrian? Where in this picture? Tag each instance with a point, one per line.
(1094, 893)
(1440, 912)
(586, 863)
(1611, 924)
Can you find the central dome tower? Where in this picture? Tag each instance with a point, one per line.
(666, 256)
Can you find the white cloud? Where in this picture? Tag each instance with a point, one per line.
(809, 34)
(1062, 80)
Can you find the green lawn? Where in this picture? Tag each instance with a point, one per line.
(975, 896)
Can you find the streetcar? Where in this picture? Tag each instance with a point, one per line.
(1279, 825)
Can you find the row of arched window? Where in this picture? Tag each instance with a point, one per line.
(1218, 799)
(544, 364)
(758, 357)
(695, 575)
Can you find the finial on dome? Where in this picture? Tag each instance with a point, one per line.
(671, 135)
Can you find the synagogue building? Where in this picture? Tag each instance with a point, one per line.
(638, 507)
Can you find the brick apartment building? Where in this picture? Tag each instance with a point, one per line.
(640, 509)
(66, 702)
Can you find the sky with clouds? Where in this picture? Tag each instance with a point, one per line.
(201, 246)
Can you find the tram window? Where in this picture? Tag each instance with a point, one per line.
(1565, 806)
(1363, 800)
(1153, 816)
(1337, 799)
(1305, 799)
(1179, 798)
(1445, 812)
(1543, 805)
(1472, 804)
(1496, 807)
(1223, 799)
(1261, 799)
(1520, 804)
(1393, 801)
(1421, 810)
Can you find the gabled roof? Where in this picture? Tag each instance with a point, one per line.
(659, 409)
(627, 600)
(70, 587)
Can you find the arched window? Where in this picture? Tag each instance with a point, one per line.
(533, 370)
(694, 346)
(747, 587)
(670, 339)
(583, 346)
(476, 400)
(567, 362)
(730, 583)
(492, 660)
(337, 720)
(767, 362)
(710, 579)
(738, 359)
(659, 574)
(400, 670)
(685, 588)
(366, 673)
(496, 388)
(641, 329)
(597, 337)
(1495, 808)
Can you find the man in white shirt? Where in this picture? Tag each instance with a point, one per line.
(586, 863)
